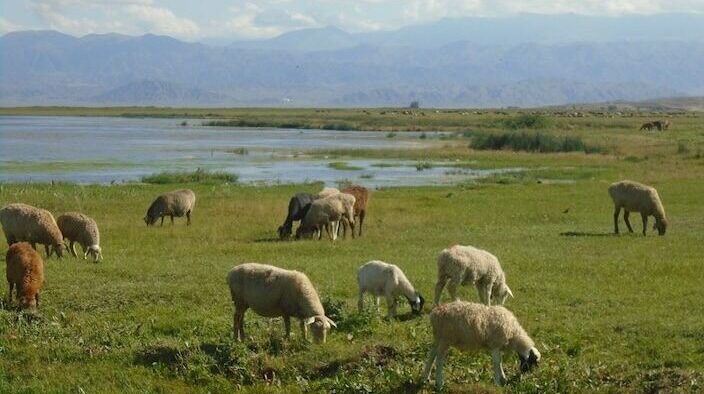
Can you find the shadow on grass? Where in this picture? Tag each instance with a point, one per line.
(586, 234)
(272, 239)
(408, 316)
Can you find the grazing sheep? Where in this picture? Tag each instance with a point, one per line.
(647, 126)
(77, 227)
(328, 191)
(22, 222)
(326, 213)
(25, 274)
(176, 203)
(361, 195)
(382, 279)
(471, 326)
(661, 124)
(463, 265)
(272, 292)
(636, 197)
(297, 208)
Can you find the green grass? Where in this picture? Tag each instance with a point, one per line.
(344, 166)
(198, 176)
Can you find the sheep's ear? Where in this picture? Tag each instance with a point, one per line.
(329, 320)
(309, 320)
(509, 292)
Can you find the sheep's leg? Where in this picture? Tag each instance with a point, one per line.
(188, 217)
(645, 221)
(34, 245)
(429, 362)
(360, 301)
(162, 220)
(172, 219)
(485, 293)
(9, 292)
(617, 211)
(238, 323)
(391, 306)
(287, 326)
(439, 363)
(48, 251)
(361, 220)
(335, 226)
(377, 301)
(499, 376)
(36, 298)
(626, 215)
(452, 288)
(439, 286)
(304, 330)
(72, 247)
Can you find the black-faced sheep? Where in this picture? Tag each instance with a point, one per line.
(636, 197)
(25, 274)
(22, 222)
(297, 208)
(175, 203)
(77, 227)
(471, 326)
(272, 292)
(461, 265)
(382, 279)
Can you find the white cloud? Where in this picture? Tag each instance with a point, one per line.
(162, 20)
(7, 26)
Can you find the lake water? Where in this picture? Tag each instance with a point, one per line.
(104, 150)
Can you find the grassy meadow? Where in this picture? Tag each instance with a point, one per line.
(608, 313)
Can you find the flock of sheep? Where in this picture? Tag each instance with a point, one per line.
(275, 292)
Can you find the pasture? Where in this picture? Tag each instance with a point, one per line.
(608, 313)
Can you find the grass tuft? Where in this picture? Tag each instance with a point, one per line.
(198, 176)
(532, 142)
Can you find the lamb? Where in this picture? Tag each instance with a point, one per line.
(383, 279)
(272, 292)
(298, 206)
(25, 274)
(175, 203)
(472, 326)
(77, 227)
(466, 264)
(636, 197)
(326, 213)
(361, 195)
(22, 222)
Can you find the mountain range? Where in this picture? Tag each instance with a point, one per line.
(526, 60)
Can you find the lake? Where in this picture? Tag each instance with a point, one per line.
(105, 150)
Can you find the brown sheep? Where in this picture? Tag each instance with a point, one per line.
(361, 195)
(25, 273)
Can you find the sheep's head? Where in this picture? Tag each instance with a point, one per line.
(530, 360)
(95, 253)
(417, 303)
(58, 248)
(28, 302)
(319, 327)
(500, 293)
(150, 220)
(660, 225)
(284, 232)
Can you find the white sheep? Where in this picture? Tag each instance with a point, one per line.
(472, 326)
(461, 265)
(77, 227)
(636, 197)
(272, 292)
(22, 222)
(328, 191)
(326, 214)
(383, 279)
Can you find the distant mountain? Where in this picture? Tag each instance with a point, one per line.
(150, 92)
(329, 67)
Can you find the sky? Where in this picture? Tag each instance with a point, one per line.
(243, 19)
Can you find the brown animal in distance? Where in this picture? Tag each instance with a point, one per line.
(361, 195)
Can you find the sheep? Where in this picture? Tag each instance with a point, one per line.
(361, 195)
(22, 222)
(272, 292)
(77, 227)
(383, 279)
(472, 326)
(298, 206)
(327, 191)
(637, 197)
(175, 203)
(326, 213)
(25, 274)
(462, 265)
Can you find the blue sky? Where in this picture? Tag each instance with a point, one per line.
(196, 20)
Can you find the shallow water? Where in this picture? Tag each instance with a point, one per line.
(104, 150)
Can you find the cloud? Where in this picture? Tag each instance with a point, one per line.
(162, 20)
(7, 26)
